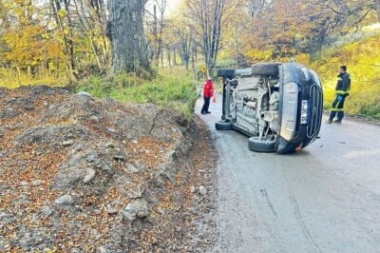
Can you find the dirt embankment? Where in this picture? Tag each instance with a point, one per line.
(84, 175)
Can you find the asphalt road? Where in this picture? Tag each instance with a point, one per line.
(324, 199)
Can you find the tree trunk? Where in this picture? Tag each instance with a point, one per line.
(377, 6)
(211, 14)
(69, 46)
(169, 58)
(162, 57)
(174, 57)
(126, 32)
(70, 37)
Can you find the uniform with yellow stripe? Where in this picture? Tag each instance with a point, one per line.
(342, 91)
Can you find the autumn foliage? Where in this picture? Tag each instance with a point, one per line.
(60, 42)
(50, 42)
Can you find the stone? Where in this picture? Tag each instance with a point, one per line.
(119, 157)
(193, 189)
(9, 113)
(78, 148)
(36, 182)
(103, 250)
(103, 165)
(83, 93)
(6, 219)
(46, 211)
(132, 169)
(202, 190)
(111, 130)
(135, 193)
(70, 173)
(90, 175)
(106, 167)
(24, 184)
(28, 107)
(26, 240)
(3, 214)
(94, 118)
(137, 208)
(65, 200)
(128, 216)
(67, 143)
(112, 211)
(91, 158)
(110, 145)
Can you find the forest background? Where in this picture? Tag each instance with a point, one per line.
(69, 43)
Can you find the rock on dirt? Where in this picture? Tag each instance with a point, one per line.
(202, 190)
(68, 143)
(136, 209)
(79, 174)
(65, 200)
(25, 184)
(90, 174)
(36, 183)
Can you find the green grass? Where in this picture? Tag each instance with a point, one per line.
(174, 90)
(372, 111)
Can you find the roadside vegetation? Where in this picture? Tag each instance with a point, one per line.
(173, 89)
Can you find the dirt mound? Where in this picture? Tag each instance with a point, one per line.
(84, 175)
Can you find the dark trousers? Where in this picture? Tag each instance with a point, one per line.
(206, 104)
(337, 108)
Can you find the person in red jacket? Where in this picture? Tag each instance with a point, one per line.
(208, 93)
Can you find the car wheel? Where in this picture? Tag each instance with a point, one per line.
(222, 125)
(257, 145)
(265, 69)
(226, 73)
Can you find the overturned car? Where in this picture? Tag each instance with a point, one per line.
(278, 105)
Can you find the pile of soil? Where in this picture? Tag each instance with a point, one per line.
(84, 175)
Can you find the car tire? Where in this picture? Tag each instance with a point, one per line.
(226, 73)
(223, 126)
(265, 69)
(257, 145)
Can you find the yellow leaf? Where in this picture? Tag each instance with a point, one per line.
(62, 13)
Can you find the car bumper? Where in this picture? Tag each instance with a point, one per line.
(305, 130)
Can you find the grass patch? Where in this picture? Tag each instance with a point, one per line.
(371, 111)
(175, 90)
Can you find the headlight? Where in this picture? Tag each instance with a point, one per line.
(289, 110)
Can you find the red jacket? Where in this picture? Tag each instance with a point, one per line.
(208, 89)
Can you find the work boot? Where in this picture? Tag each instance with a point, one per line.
(338, 121)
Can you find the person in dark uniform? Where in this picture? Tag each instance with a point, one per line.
(341, 91)
(208, 93)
